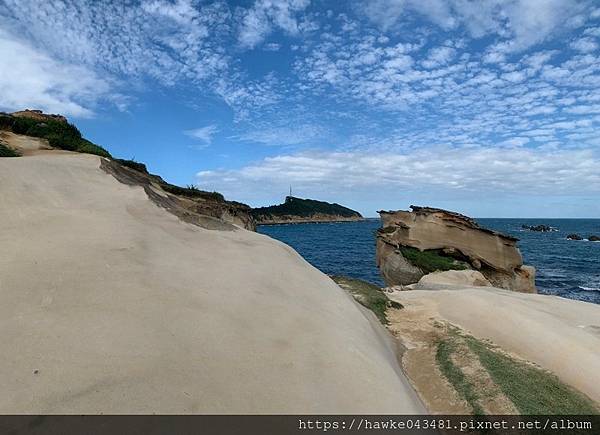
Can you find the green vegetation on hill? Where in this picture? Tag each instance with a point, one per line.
(304, 208)
(59, 134)
(430, 261)
(368, 295)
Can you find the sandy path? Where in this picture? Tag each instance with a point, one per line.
(558, 334)
(111, 304)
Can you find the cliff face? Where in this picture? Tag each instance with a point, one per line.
(413, 243)
(299, 210)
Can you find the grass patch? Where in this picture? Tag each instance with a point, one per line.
(7, 152)
(368, 295)
(59, 134)
(533, 391)
(430, 261)
(455, 376)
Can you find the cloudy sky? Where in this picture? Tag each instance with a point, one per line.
(487, 107)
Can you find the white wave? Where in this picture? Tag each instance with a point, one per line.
(589, 289)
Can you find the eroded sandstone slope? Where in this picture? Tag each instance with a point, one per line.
(111, 304)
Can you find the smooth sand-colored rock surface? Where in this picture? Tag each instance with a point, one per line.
(453, 278)
(558, 334)
(110, 304)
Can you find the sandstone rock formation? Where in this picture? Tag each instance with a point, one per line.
(411, 244)
(110, 304)
(468, 278)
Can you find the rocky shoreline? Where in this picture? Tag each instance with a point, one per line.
(291, 220)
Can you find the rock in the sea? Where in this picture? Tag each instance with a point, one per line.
(594, 238)
(574, 237)
(539, 228)
(411, 244)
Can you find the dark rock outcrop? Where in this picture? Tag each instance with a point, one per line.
(539, 228)
(413, 243)
(594, 238)
(574, 237)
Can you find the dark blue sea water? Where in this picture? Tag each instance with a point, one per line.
(564, 267)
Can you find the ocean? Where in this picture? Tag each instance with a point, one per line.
(566, 268)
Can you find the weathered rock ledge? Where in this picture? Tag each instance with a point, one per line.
(411, 244)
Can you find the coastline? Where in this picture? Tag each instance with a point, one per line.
(310, 221)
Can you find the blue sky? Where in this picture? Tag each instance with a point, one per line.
(490, 108)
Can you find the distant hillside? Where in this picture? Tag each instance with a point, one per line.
(297, 210)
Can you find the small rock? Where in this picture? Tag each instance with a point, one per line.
(594, 239)
(574, 237)
(36, 371)
(539, 228)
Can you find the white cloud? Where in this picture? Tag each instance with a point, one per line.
(301, 134)
(439, 56)
(265, 16)
(272, 46)
(203, 134)
(442, 172)
(524, 22)
(167, 41)
(585, 45)
(32, 79)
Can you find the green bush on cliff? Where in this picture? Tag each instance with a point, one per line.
(140, 167)
(192, 192)
(430, 261)
(59, 134)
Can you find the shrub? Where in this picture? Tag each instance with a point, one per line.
(6, 122)
(430, 261)
(192, 192)
(59, 134)
(7, 152)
